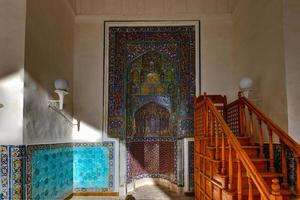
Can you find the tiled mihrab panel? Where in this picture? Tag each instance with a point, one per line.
(50, 171)
(93, 167)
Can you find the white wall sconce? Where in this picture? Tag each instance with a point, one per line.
(246, 84)
(61, 89)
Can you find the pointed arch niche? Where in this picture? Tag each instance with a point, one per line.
(151, 74)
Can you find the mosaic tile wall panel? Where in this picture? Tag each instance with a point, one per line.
(155, 61)
(93, 167)
(50, 171)
(12, 172)
(151, 159)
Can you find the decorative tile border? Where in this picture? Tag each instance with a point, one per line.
(191, 164)
(12, 171)
(5, 171)
(18, 171)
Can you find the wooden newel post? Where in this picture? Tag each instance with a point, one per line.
(275, 190)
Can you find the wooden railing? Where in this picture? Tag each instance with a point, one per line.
(262, 131)
(218, 150)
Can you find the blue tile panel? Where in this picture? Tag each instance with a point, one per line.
(93, 167)
(50, 171)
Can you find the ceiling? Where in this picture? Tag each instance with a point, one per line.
(136, 7)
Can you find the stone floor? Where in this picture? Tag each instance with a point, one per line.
(145, 193)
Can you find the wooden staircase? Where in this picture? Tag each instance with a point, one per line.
(232, 160)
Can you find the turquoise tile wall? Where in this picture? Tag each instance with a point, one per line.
(54, 171)
(93, 167)
(50, 171)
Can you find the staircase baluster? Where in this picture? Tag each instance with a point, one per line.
(250, 190)
(271, 150)
(283, 165)
(298, 176)
(223, 167)
(217, 143)
(211, 177)
(206, 113)
(239, 181)
(261, 139)
(251, 127)
(211, 130)
(230, 169)
(204, 173)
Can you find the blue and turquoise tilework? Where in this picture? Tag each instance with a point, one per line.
(50, 171)
(54, 171)
(93, 167)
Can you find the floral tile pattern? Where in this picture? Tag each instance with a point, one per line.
(12, 172)
(18, 171)
(151, 159)
(4, 172)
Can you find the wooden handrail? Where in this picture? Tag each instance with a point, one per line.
(283, 136)
(242, 155)
(220, 134)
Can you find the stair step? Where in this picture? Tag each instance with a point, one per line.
(261, 164)
(251, 150)
(244, 140)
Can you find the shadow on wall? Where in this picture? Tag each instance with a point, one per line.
(48, 124)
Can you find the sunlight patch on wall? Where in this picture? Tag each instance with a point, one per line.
(86, 133)
(11, 114)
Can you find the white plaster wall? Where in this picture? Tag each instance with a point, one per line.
(48, 56)
(12, 47)
(291, 24)
(258, 52)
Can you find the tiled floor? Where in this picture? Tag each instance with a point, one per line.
(145, 193)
